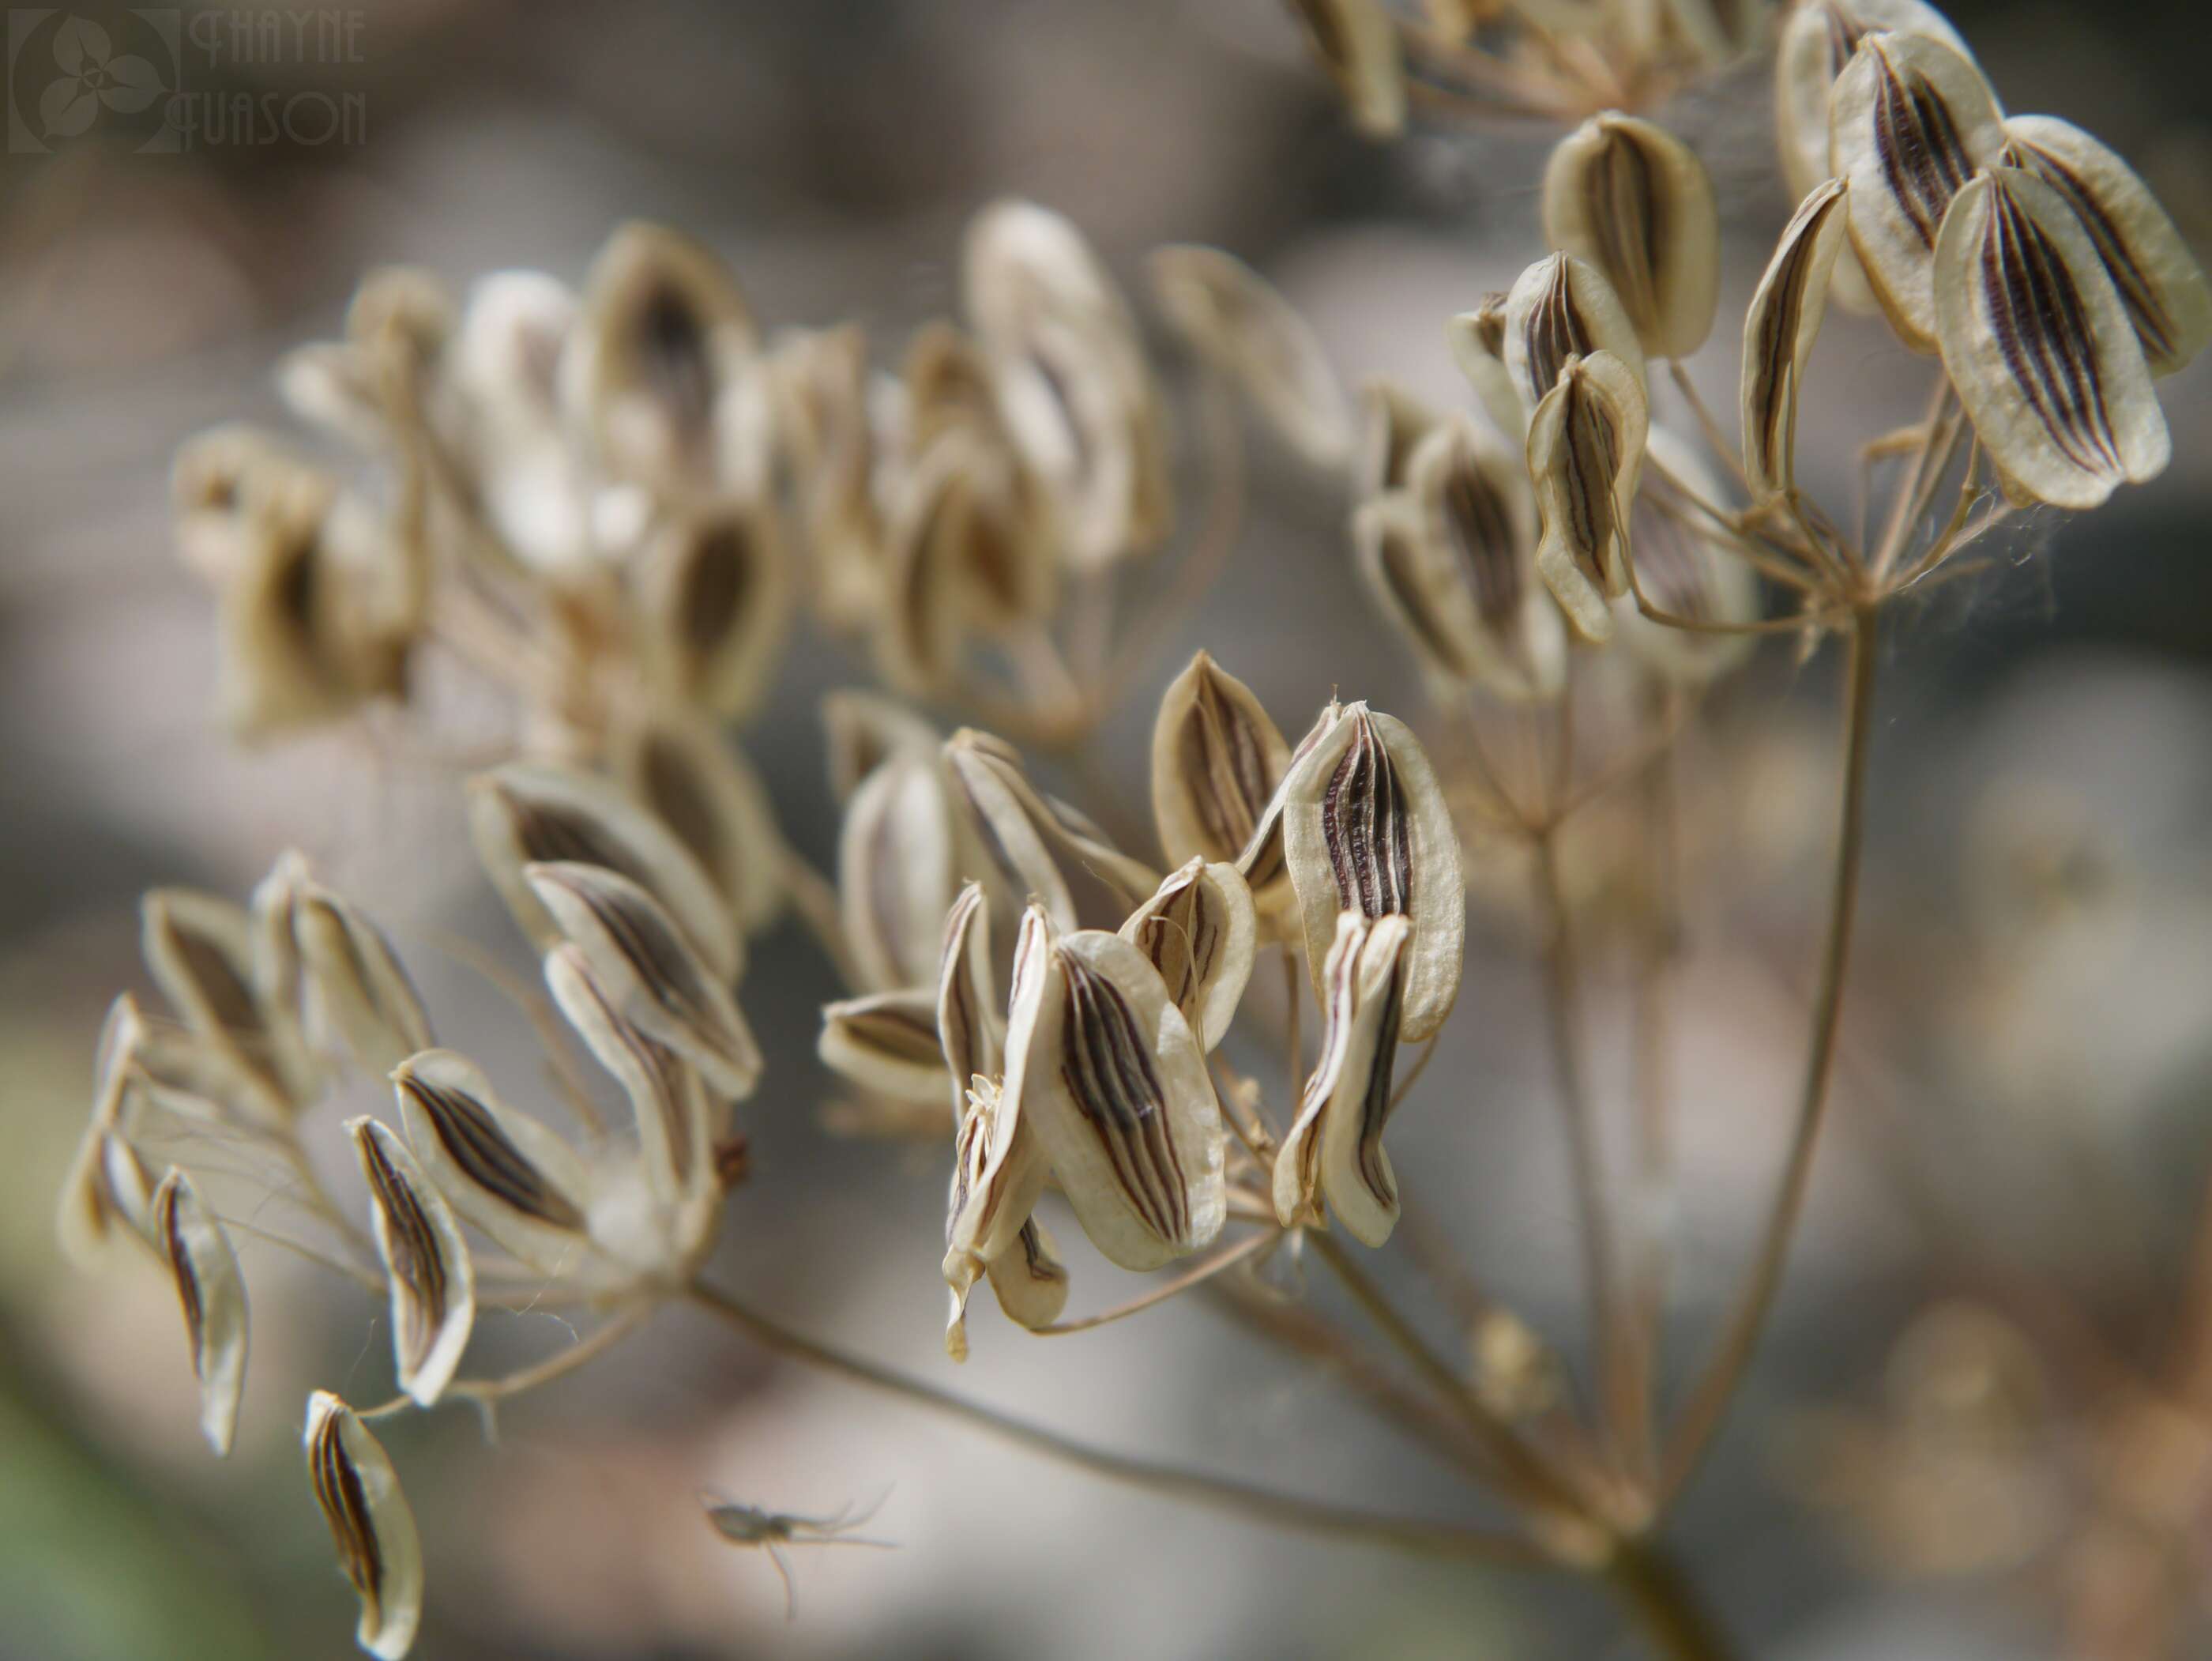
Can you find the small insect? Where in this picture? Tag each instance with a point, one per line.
(744, 1525)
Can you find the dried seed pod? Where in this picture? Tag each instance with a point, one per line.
(524, 813)
(1477, 339)
(1217, 761)
(1585, 447)
(92, 1204)
(1366, 829)
(971, 1032)
(999, 1171)
(2158, 279)
(371, 1526)
(1198, 930)
(1558, 308)
(865, 730)
(665, 331)
(433, 1303)
(1478, 527)
(1357, 45)
(1688, 565)
(1233, 318)
(213, 1294)
(1909, 122)
(503, 1171)
(828, 447)
(218, 483)
(1816, 42)
(715, 601)
(1778, 331)
(1042, 846)
(1101, 1062)
(886, 1042)
(333, 385)
(2040, 347)
(895, 873)
(403, 314)
(356, 987)
(1635, 202)
(652, 975)
(1334, 1149)
(200, 949)
(699, 785)
(1392, 424)
(1031, 1280)
(675, 1126)
(1412, 587)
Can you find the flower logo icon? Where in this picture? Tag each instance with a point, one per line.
(93, 76)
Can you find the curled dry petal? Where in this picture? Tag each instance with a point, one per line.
(200, 949)
(1634, 201)
(1778, 331)
(426, 1259)
(1585, 447)
(1687, 565)
(1478, 528)
(716, 595)
(371, 1525)
(1234, 318)
(1101, 1062)
(1559, 307)
(1366, 830)
(895, 872)
(1042, 846)
(2039, 345)
(1816, 41)
(1357, 45)
(1910, 121)
(527, 813)
(701, 787)
(2159, 281)
(213, 1294)
(1392, 424)
(1217, 761)
(356, 985)
(1334, 1150)
(1477, 339)
(503, 1171)
(886, 1042)
(651, 975)
(971, 1032)
(676, 1127)
(1198, 930)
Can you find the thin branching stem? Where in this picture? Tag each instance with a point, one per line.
(1198, 1274)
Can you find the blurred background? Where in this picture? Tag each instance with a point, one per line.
(1924, 1465)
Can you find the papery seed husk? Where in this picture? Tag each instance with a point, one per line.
(971, 1032)
(1478, 525)
(1392, 424)
(922, 621)
(1413, 589)
(1234, 320)
(2039, 346)
(218, 483)
(866, 729)
(675, 1120)
(372, 1527)
(649, 970)
(1217, 761)
(426, 1259)
(715, 596)
(213, 1294)
(1558, 308)
(1357, 45)
(1816, 41)
(1115, 1084)
(1030, 1279)
(1585, 448)
(886, 1042)
(199, 949)
(503, 1171)
(89, 1208)
(1688, 565)
(1909, 122)
(1477, 339)
(530, 813)
(895, 873)
(702, 788)
(1037, 843)
(1200, 931)
(1778, 331)
(355, 980)
(1366, 829)
(999, 1168)
(1634, 201)
(2159, 281)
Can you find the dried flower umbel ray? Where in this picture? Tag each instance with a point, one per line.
(610, 503)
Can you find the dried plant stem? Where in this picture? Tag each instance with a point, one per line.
(1243, 1499)
(814, 899)
(1678, 1625)
(1710, 1396)
(1593, 1214)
